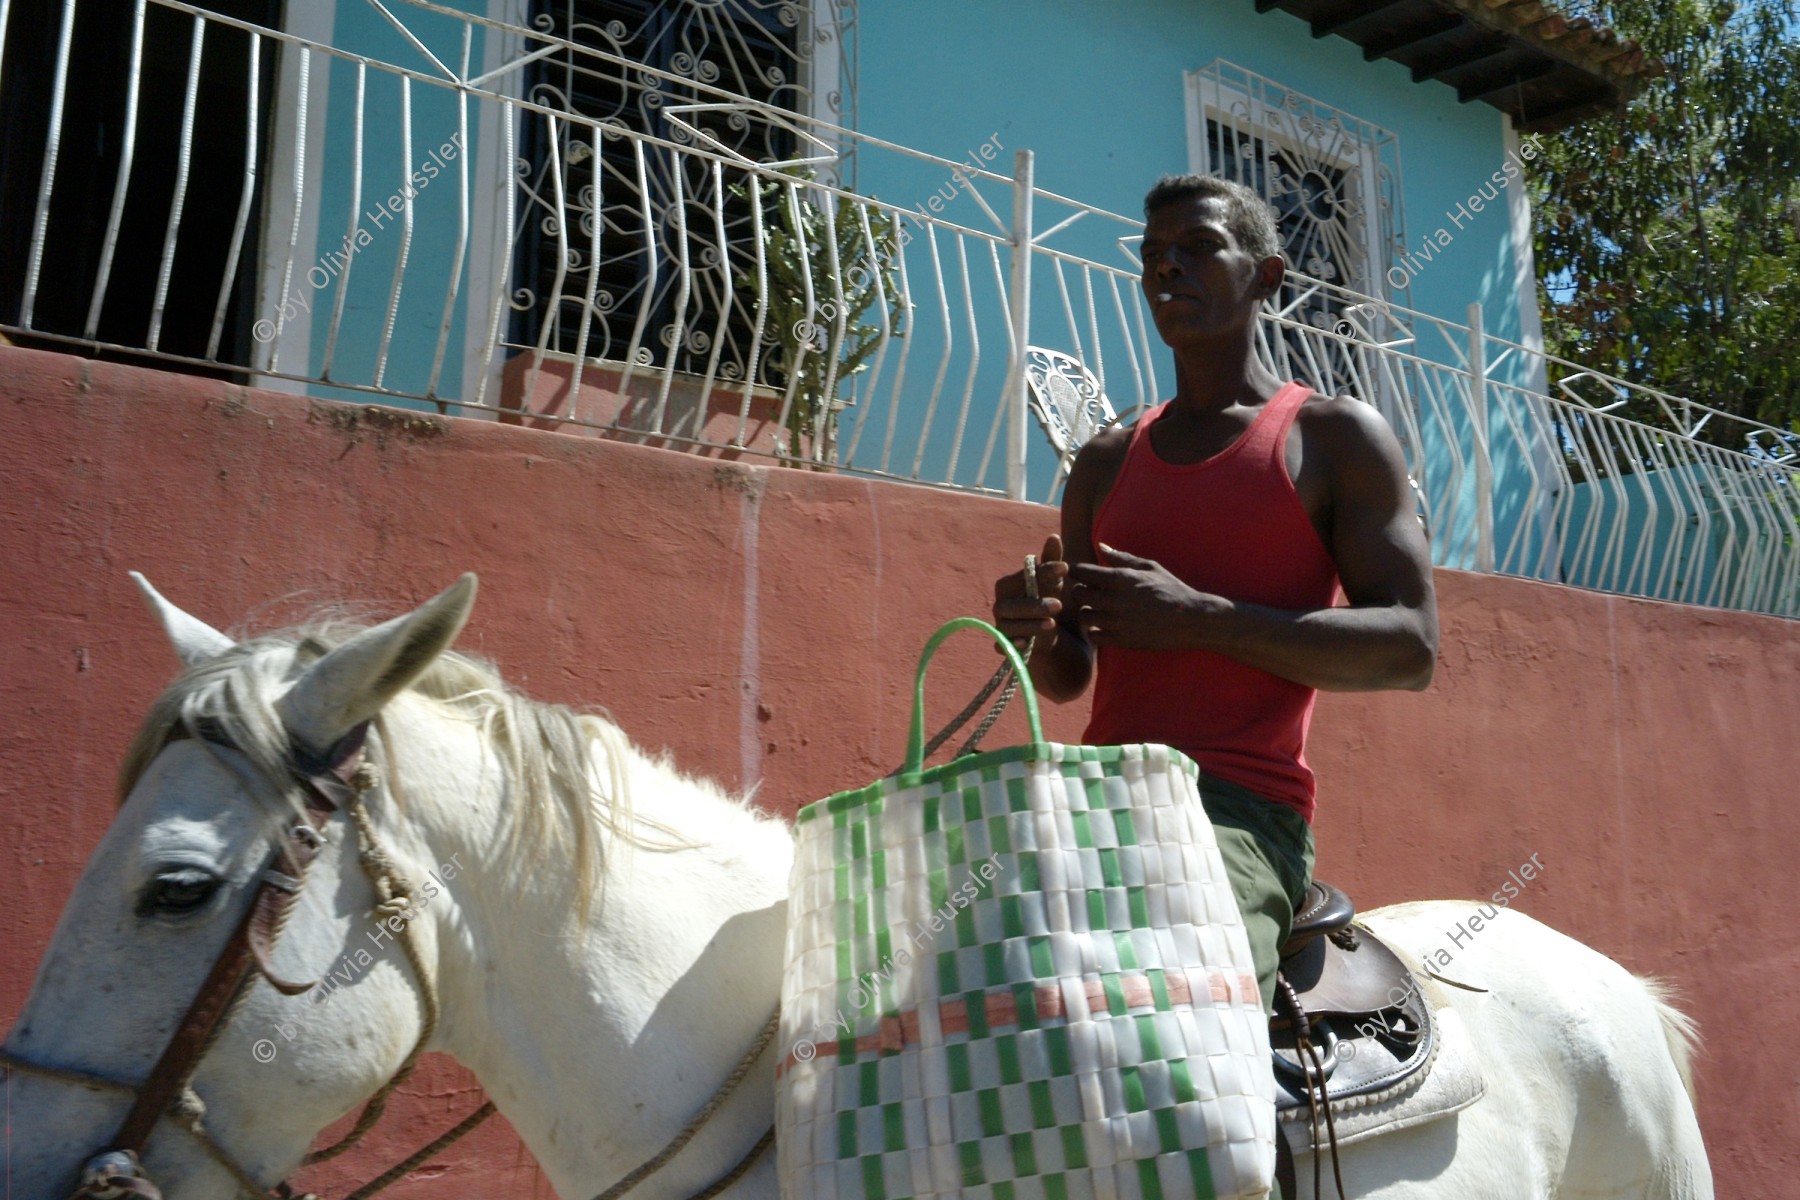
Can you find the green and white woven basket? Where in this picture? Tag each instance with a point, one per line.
(1020, 976)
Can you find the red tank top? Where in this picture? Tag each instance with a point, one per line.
(1234, 526)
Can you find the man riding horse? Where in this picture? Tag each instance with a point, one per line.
(1203, 548)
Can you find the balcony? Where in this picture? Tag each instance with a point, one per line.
(502, 221)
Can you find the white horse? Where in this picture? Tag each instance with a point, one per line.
(602, 939)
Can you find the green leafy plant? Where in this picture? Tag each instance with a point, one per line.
(1668, 232)
(821, 345)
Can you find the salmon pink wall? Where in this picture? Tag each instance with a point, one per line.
(762, 624)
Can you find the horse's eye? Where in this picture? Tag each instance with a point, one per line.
(177, 893)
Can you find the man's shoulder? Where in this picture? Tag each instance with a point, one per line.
(1354, 445)
(1321, 406)
(1106, 448)
(1097, 465)
(1114, 439)
(1344, 424)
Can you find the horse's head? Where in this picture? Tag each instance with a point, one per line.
(231, 869)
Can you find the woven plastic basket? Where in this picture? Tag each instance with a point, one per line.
(1020, 975)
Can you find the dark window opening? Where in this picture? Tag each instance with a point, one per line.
(746, 49)
(93, 132)
(1312, 206)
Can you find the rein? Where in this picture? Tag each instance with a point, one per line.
(331, 783)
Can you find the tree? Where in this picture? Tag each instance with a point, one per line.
(1668, 233)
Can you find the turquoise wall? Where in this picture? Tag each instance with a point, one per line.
(1673, 536)
(1097, 92)
(388, 161)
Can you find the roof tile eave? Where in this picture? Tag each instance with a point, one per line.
(1596, 49)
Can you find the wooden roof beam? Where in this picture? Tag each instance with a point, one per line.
(1326, 26)
(1595, 50)
(1418, 34)
(1540, 40)
(1444, 66)
(1579, 109)
(1497, 86)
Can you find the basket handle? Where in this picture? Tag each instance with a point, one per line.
(915, 738)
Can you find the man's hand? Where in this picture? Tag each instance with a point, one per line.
(1016, 614)
(1061, 663)
(1138, 605)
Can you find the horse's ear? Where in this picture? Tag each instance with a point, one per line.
(353, 682)
(194, 640)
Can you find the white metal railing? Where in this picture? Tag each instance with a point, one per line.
(1596, 482)
(705, 275)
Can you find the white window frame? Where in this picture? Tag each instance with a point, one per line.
(292, 344)
(1209, 95)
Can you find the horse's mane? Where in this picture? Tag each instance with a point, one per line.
(562, 806)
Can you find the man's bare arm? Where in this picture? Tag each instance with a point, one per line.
(1386, 638)
(1062, 661)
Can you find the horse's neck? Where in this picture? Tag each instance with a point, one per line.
(598, 1040)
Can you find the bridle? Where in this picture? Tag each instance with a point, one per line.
(332, 783)
(329, 784)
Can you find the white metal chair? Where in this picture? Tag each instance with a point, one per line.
(1067, 401)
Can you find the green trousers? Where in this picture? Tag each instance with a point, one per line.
(1268, 853)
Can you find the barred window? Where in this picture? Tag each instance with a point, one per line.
(1333, 180)
(639, 249)
(135, 275)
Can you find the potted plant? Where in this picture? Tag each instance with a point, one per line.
(819, 347)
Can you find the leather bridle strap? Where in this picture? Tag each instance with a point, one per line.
(181, 1057)
(330, 783)
(251, 943)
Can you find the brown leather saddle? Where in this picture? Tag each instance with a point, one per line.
(1365, 1016)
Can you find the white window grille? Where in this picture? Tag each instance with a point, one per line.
(1333, 178)
(633, 204)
